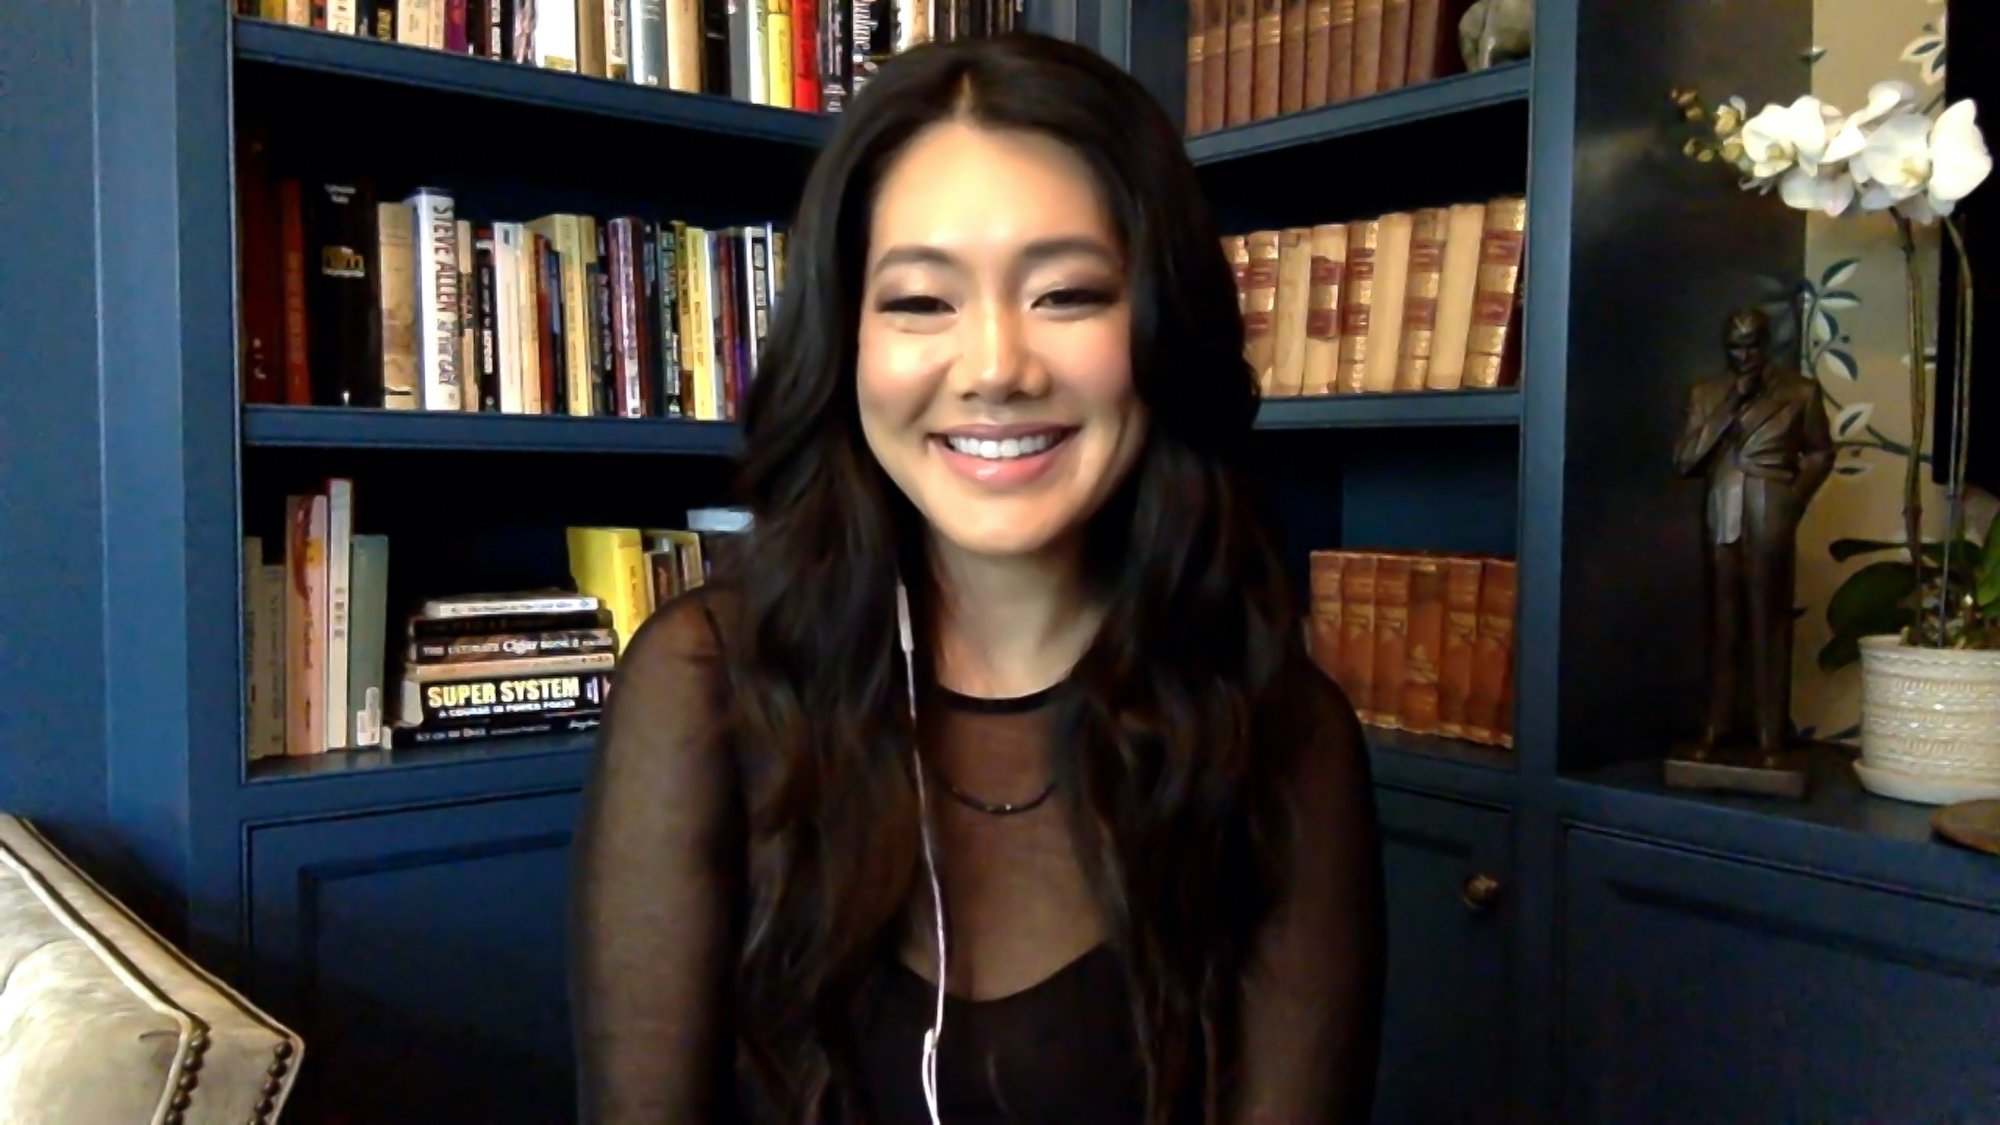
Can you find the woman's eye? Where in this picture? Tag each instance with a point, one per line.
(1077, 297)
(915, 306)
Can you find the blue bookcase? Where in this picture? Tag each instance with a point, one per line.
(1570, 938)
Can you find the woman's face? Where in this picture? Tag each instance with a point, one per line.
(994, 369)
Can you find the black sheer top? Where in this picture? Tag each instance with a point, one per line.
(1037, 1020)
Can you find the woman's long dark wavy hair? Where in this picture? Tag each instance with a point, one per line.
(1175, 812)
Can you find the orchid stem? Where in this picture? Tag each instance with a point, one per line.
(1913, 500)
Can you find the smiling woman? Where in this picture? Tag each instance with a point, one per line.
(1008, 379)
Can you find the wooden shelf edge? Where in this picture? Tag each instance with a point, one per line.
(1459, 93)
(1840, 831)
(366, 428)
(262, 41)
(1409, 408)
(1446, 767)
(345, 781)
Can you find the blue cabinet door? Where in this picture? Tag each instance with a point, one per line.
(1448, 1018)
(421, 954)
(1699, 988)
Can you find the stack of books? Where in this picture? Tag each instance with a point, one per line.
(498, 665)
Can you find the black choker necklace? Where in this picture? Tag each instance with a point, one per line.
(991, 808)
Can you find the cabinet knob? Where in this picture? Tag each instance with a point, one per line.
(1479, 893)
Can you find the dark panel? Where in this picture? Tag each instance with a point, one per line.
(1664, 248)
(1425, 161)
(1703, 989)
(1440, 492)
(1840, 829)
(51, 522)
(167, 383)
(516, 160)
(1975, 29)
(422, 956)
(1445, 1040)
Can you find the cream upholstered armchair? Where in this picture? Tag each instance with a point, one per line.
(104, 1023)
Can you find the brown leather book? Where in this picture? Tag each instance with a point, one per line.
(1357, 631)
(1325, 273)
(1461, 631)
(1215, 65)
(1392, 638)
(1492, 349)
(1242, 61)
(1352, 373)
(1492, 654)
(1288, 321)
(1420, 300)
(1292, 58)
(1395, 65)
(1265, 82)
(1417, 710)
(1323, 633)
(1319, 29)
(1197, 41)
(1368, 46)
(1434, 39)
(1340, 51)
(1260, 302)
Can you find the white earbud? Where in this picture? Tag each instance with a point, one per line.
(936, 1030)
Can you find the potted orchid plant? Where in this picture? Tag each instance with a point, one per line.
(1926, 625)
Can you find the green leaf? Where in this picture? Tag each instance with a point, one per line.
(1839, 273)
(1840, 299)
(1872, 600)
(1989, 589)
(1833, 361)
(1824, 326)
(1838, 653)
(1853, 418)
(1989, 559)
(1844, 549)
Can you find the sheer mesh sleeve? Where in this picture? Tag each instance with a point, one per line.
(655, 883)
(1312, 1006)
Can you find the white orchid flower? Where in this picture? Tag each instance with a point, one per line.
(1884, 98)
(1896, 161)
(1782, 136)
(1830, 191)
(1959, 160)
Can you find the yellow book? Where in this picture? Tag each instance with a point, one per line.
(609, 563)
(778, 53)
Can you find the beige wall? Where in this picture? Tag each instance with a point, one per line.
(1864, 42)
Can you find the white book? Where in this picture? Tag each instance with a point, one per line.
(339, 554)
(435, 257)
(555, 37)
(507, 312)
(646, 25)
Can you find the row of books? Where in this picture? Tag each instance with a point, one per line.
(793, 54)
(407, 303)
(1248, 60)
(326, 672)
(1427, 299)
(1419, 641)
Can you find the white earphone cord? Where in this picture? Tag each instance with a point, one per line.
(936, 1031)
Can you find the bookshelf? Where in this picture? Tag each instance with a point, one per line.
(1529, 886)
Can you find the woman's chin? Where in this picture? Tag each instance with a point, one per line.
(1003, 536)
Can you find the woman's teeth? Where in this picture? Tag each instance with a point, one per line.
(987, 449)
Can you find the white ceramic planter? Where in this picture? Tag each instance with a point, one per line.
(1930, 722)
